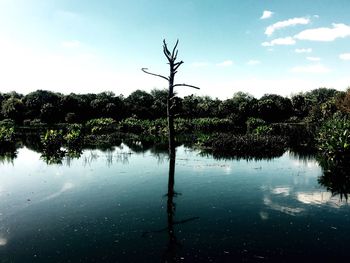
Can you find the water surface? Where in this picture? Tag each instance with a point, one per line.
(113, 206)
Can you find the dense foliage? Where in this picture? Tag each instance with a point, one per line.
(7, 135)
(239, 125)
(334, 139)
(49, 107)
(247, 146)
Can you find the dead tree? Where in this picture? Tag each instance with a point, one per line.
(174, 66)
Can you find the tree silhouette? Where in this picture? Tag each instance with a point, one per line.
(173, 67)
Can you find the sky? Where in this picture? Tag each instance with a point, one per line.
(255, 46)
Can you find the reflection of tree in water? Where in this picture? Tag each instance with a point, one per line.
(8, 155)
(71, 154)
(111, 157)
(170, 254)
(53, 157)
(142, 145)
(32, 141)
(336, 177)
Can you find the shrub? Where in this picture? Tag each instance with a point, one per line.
(71, 117)
(7, 136)
(253, 123)
(333, 139)
(7, 123)
(245, 146)
(52, 140)
(73, 137)
(100, 125)
(262, 130)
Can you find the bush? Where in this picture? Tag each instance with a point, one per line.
(253, 123)
(73, 137)
(101, 125)
(52, 140)
(7, 136)
(7, 123)
(244, 146)
(333, 139)
(71, 117)
(262, 130)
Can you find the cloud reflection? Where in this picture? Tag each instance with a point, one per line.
(66, 186)
(293, 211)
(285, 191)
(3, 241)
(318, 198)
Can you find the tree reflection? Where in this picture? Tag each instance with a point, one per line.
(8, 155)
(53, 157)
(336, 177)
(171, 252)
(172, 246)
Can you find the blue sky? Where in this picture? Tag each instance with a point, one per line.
(255, 46)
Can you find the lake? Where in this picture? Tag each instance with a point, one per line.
(116, 206)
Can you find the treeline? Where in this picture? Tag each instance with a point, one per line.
(49, 107)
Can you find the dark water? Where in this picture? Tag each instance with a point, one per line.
(114, 206)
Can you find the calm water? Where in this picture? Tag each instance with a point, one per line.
(113, 207)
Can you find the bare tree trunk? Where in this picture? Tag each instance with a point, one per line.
(171, 56)
(170, 114)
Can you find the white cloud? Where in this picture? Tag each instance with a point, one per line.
(325, 33)
(199, 64)
(279, 41)
(319, 68)
(303, 50)
(344, 56)
(71, 44)
(253, 62)
(266, 14)
(286, 23)
(226, 63)
(313, 58)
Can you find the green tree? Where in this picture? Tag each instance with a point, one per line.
(34, 102)
(13, 108)
(274, 108)
(343, 101)
(140, 104)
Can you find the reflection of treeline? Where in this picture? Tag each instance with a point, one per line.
(70, 141)
(49, 107)
(336, 176)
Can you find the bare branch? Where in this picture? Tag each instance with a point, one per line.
(157, 75)
(173, 54)
(185, 85)
(177, 65)
(177, 51)
(165, 47)
(166, 54)
(166, 51)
